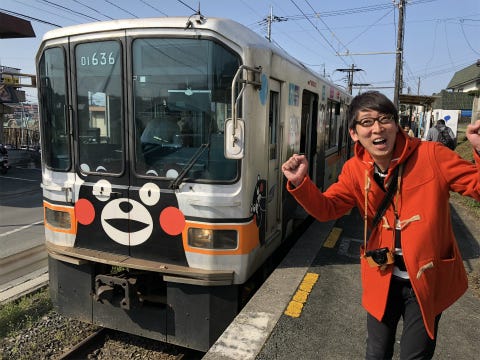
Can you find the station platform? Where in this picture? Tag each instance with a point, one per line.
(310, 306)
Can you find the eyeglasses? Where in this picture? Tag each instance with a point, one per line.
(368, 122)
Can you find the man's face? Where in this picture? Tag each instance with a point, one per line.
(378, 139)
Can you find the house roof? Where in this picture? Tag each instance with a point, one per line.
(14, 27)
(464, 76)
(423, 100)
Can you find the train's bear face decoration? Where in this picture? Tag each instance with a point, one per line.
(146, 224)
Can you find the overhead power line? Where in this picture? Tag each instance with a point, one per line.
(352, 11)
(69, 10)
(119, 7)
(153, 7)
(29, 17)
(93, 9)
(328, 28)
(188, 6)
(318, 30)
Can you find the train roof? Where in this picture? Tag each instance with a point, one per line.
(227, 28)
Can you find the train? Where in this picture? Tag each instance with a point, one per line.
(162, 144)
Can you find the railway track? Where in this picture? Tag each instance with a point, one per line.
(103, 344)
(83, 347)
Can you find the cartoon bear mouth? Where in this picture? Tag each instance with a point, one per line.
(127, 225)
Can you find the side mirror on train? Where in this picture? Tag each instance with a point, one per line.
(234, 139)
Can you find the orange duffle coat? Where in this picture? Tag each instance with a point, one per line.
(430, 251)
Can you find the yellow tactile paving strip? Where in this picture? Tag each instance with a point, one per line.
(295, 307)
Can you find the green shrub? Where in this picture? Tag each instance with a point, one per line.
(23, 312)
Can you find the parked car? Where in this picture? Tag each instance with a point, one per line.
(4, 166)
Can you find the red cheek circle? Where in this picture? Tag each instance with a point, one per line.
(84, 212)
(172, 220)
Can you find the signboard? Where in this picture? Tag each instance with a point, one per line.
(451, 118)
(8, 94)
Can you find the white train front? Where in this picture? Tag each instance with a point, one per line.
(162, 141)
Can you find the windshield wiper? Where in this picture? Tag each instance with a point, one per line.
(174, 184)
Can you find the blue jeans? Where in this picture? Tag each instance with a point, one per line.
(415, 342)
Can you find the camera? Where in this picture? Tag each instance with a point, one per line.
(380, 257)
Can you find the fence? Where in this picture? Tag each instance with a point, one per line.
(21, 136)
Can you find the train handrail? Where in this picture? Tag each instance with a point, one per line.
(247, 81)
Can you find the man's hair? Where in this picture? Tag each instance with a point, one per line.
(440, 122)
(371, 100)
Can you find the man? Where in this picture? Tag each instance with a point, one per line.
(436, 133)
(408, 131)
(410, 263)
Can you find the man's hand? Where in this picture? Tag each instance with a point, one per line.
(295, 169)
(473, 135)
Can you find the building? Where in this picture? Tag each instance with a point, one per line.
(458, 103)
(467, 82)
(11, 79)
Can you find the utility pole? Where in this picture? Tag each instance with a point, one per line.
(270, 19)
(360, 86)
(350, 72)
(399, 59)
(269, 24)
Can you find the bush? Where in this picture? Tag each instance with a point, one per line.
(23, 312)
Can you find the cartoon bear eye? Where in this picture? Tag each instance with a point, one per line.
(102, 190)
(149, 194)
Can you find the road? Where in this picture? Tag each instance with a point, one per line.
(21, 218)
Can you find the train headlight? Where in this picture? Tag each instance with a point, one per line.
(58, 219)
(212, 239)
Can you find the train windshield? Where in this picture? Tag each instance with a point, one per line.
(182, 95)
(99, 106)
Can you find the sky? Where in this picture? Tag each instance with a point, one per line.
(440, 36)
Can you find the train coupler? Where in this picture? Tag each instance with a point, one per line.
(117, 290)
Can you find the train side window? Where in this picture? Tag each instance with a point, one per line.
(331, 125)
(53, 100)
(273, 125)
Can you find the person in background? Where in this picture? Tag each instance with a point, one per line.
(410, 261)
(408, 131)
(434, 131)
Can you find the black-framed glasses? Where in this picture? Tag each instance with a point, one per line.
(368, 122)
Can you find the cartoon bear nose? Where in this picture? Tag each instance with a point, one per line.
(125, 206)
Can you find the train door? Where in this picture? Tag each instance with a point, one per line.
(308, 133)
(273, 180)
(99, 137)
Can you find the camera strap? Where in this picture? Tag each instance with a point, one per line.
(392, 188)
(387, 199)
